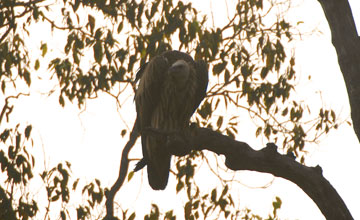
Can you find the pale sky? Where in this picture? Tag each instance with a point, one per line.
(91, 140)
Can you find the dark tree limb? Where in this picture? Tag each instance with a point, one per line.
(347, 44)
(124, 165)
(240, 156)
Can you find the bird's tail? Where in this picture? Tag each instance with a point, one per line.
(158, 163)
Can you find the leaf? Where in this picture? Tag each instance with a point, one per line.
(187, 210)
(226, 76)
(213, 195)
(98, 34)
(17, 142)
(11, 152)
(179, 186)
(98, 52)
(76, 5)
(120, 27)
(123, 132)
(245, 71)
(132, 216)
(130, 175)
(3, 86)
(55, 198)
(264, 72)
(218, 68)
(28, 131)
(222, 203)
(132, 61)
(27, 77)
(4, 135)
(333, 115)
(32, 160)
(61, 101)
(36, 13)
(225, 190)
(205, 110)
(276, 205)
(219, 121)
(267, 131)
(43, 49)
(258, 131)
(76, 58)
(62, 214)
(75, 184)
(91, 23)
(169, 215)
(37, 64)
(285, 111)
(109, 39)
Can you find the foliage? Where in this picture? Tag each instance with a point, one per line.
(106, 41)
(17, 201)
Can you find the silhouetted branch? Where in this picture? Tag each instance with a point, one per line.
(124, 165)
(240, 156)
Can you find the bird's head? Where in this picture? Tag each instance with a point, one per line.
(179, 72)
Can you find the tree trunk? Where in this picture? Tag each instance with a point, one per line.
(347, 44)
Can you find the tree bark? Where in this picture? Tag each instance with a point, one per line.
(347, 44)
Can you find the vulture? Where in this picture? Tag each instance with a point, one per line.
(171, 87)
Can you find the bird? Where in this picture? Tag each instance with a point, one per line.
(171, 87)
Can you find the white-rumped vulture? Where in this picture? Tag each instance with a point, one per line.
(171, 87)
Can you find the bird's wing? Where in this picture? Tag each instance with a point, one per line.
(148, 93)
(147, 99)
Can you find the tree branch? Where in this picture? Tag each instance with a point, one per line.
(347, 44)
(124, 165)
(7, 109)
(240, 156)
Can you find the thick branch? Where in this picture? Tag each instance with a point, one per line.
(347, 44)
(240, 156)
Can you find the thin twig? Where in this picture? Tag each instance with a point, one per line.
(7, 107)
(124, 165)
